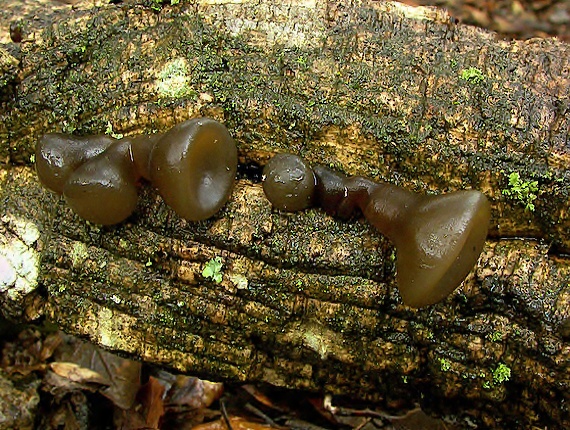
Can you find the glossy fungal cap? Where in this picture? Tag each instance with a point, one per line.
(288, 182)
(103, 190)
(193, 166)
(438, 244)
(58, 155)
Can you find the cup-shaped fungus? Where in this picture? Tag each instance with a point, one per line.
(438, 238)
(289, 182)
(58, 155)
(103, 189)
(193, 166)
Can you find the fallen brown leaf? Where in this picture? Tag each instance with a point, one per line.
(237, 423)
(76, 373)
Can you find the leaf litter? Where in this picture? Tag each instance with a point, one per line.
(49, 380)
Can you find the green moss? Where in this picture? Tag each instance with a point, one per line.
(158, 4)
(502, 373)
(213, 270)
(473, 75)
(109, 131)
(521, 191)
(444, 364)
(495, 336)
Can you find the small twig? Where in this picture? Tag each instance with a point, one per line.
(363, 423)
(295, 424)
(340, 411)
(225, 414)
(261, 415)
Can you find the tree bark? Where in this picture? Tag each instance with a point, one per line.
(306, 301)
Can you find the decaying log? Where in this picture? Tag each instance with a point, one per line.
(305, 301)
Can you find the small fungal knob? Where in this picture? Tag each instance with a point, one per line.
(193, 166)
(288, 182)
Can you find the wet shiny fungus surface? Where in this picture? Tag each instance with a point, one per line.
(193, 166)
(438, 238)
(103, 191)
(58, 155)
(289, 182)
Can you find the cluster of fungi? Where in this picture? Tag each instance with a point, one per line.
(193, 166)
(438, 238)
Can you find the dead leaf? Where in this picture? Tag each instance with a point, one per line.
(50, 344)
(193, 392)
(153, 404)
(76, 373)
(237, 423)
(147, 411)
(258, 395)
(122, 375)
(27, 353)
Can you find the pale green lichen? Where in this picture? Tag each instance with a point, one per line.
(19, 266)
(239, 281)
(316, 343)
(114, 329)
(24, 229)
(322, 340)
(173, 79)
(78, 254)
(19, 261)
(213, 270)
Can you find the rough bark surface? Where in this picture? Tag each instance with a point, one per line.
(306, 301)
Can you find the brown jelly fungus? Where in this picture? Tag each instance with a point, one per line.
(193, 166)
(438, 238)
(289, 182)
